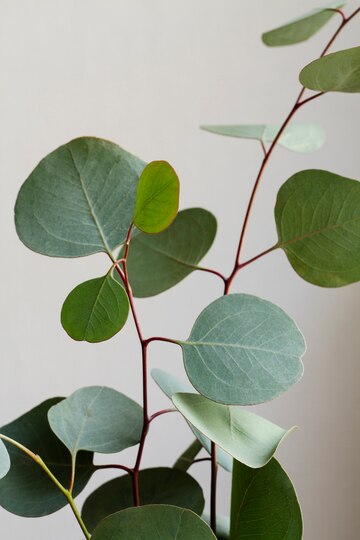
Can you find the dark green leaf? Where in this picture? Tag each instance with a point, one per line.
(158, 262)
(157, 486)
(296, 137)
(157, 197)
(4, 460)
(98, 419)
(302, 28)
(153, 522)
(171, 385)
(79, 200)
(95, 310)
(243, 350)
(317, 215)
(27, 490)
(247, 437)
(336, 72)
(264, 504)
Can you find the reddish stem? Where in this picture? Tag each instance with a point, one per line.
(114, 466)
(160, 413)
(298, 103)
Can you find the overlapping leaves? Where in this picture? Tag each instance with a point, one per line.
(247, 437)
(158, 262)
(147, 522)
(156, 486)
(79, 200)
(26, 490)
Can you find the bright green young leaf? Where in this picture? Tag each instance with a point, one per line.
(247, 437)
(95, 310)
(243, 350)
(302, 28)
(4, 460)
(157, 197)
(153, 522)
(26, 490)
(296, 137)
(157, 486)
(264, 504)
(336, 72)
(222, 525)
(171, 385)
(98, 419)
(79, 200)
(158, 262)
(317, 216)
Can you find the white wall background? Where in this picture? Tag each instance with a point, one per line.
(146, 73)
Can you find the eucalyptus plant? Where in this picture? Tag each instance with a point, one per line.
(91, 196)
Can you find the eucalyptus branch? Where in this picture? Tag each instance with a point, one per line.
(160, 413)
(298, 103)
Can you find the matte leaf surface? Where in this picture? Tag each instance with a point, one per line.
(171, 385)
(249, 438)
(157, 486)
(153, 522)
(336, 72)
(301, 28)
(157, 197)
(317, 216)
(243, 350)
(296, 137)
(95, 310)
(158, 262)
(98, 419)
(27, 490)
(79, 200)
(4, 460)
(264, 504)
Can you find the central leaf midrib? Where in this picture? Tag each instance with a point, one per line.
(233, 345)
(91, 208)
(316, 232)
(149, 199)
(170, 257)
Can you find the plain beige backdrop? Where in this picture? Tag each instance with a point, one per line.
(146, 74)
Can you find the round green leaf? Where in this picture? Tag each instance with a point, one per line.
(317, 216)
(247, 437)
(296, 137)
(156, 486)
(301, 28)
(264, 504)
(157, 197)
(243, 350)
(27, 490)
(153, 522)
(158, 262)
(171, 385)
(4, 460)
(98, 419)
(95, 310)
(79, 200)
(336, 72)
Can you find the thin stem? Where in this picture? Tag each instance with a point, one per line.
(263, 147)
(214, 471)
(45, 468)
(199, 460)
(334, 10)
(114, 466)
(262, 254)
(298, 103)
(211, 271)
(160, 338)
(160, 413)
